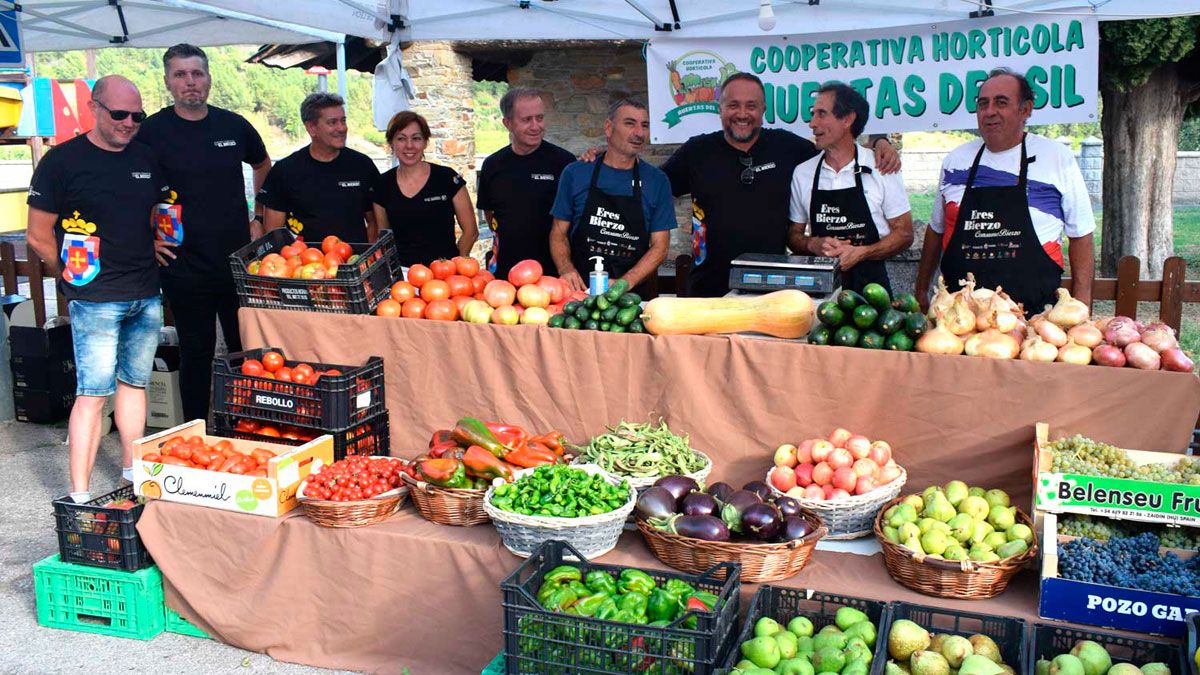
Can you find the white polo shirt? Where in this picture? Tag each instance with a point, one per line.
(885, 194)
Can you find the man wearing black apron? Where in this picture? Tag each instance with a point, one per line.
(618, 208)
(862, 223)
(987, 221)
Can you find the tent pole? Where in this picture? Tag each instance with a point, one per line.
(341, 68)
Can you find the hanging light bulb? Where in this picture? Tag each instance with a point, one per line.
(766, 15)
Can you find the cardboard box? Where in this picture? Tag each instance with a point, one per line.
(27, 339)
(272, 496)
(1119, 498)
(38, 406)
(56, 375)
(166, 358)
(1092, 604)
(164, 406)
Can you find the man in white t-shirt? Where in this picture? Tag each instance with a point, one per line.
(1004, 204)
(841, 206)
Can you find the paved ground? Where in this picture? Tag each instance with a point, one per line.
(33, 466)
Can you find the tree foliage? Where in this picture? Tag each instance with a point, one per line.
(1131, 50)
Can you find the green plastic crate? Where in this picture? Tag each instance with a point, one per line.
(178, 624)
(97, 600)
(496, 667)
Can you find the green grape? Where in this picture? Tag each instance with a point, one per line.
(1083, 456)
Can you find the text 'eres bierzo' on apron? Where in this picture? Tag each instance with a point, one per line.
(844, 214)
(612, 226)
(994, 239)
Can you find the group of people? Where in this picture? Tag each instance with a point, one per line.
(101, 206)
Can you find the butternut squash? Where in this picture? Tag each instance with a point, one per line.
(785, 314)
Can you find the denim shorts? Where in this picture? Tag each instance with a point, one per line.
(114, 341)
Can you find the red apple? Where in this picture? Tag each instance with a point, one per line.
(864, 485)
(820, 451)
(838, 493)
(822, 473)
(888, 474)
(840, 458)
(845, 479)
(880, 453)
(814, 492)
(783, 478)
(785, 455)
(804, 452)
(532, 295)
(839, 437)
(797, 492)
(865, 467)
(858, 446)
(804, 474)
(827, 490)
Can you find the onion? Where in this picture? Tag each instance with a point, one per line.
(1102, 322)
(971, 343)
(996, 345)
(1049, 332)
(1140, 356)
(1068, 311)
(1174, 359)
(939, 340)
(959, 319)
(1013, 305)
(1121, 331)
(941, 300)
(1073, 353)
(1108, 355)
(1159, 337)
(1086, 334)
(1037, 349)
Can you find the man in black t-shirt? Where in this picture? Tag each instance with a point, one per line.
(90, 205)
(323, 188)
(740, 182)
(201, 148)
(517, 184)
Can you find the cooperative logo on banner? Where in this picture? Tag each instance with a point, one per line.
(696, 79)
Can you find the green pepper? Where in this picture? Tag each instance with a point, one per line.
(562, 574)
(622, 616)
(600, 581)
(634, 603)
(588, 605)
(560, 599)
(606, 609)
(662, 606)
(700, 601)
(581, 591)
(635, 581)
(679, 588)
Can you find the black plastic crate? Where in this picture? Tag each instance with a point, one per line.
(92, 534)
(540, 641)
(366, 438)
(334, 402)
(1011, 635)
(1049, 640)
(784, 604)
(357, 288)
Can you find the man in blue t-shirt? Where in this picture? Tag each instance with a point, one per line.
(619, 208)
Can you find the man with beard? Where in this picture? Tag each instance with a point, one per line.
(740, 182)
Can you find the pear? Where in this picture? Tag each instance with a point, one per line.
(801, 626)
(976, 507)
(1042, 667)
(865, 630)
(976, 664)
(976, 491)
(962, 526)
(829, 660)
(826, 639)
(939, 508)
(995, 540)
(908, 531)
(848, 616)
(935, 642)
(982, 529)
(1002, 517)
(954, 552)
(906, 637)
(926, 524)
(1094, 656)
(856, 668)
(795, 666)
(956, 491)
(891, 534)
(934, 542)
(997, 498)
(930, 491)
(1013, 548)
(788, 643)
(904, 513)
(915, 501)
(766, 626)
(857, 653)
(956, 648)
(1020, 531)
(1156, 668)
(804, 644)
(924, 662)
(762, 650)
(1124, 669)
(1066, 664)
(983, 554)
(891, 668)
(914, 545)
(985, 646)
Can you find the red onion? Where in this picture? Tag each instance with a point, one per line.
(1140, 356)
(1121, 331)
(1158, 325)
(1174, 359)
(1108, 355)
(1159, 337)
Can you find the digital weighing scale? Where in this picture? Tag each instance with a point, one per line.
(818, 276)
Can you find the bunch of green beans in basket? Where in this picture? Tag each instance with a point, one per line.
(635, 450)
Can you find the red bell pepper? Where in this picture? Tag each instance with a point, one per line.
(553, 440)
(442, 438)
(482, 464)
(469, 431)
(532, 455)
(508, 434)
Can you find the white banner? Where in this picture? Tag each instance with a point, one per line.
(915, 78)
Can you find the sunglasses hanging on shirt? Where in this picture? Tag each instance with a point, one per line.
(747, 173)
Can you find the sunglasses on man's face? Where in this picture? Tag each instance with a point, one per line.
(747, 173)
(119, 115)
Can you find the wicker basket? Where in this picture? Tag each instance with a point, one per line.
(641, 484)
(447, 506)
(958, 579)
(360, 513)
(593, 536)
(760, 561)
(854, 517)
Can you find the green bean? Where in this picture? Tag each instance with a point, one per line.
(638, 450)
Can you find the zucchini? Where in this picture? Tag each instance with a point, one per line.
(616, 289)
(557, 321)
(871, 340)
(602, 302)
(865, 316)
(583, 313)
(890, 321)
(590, 301)
(846, 336)
(877, 296)
(820, 335)
(899, 342)
(605, 325)
(830, 314)
(629, 300)
(617, 328)
(628, 315)
(906, 303)
(609, 314)
(637, 326)
(592, 324)
(572, 306)
(848, 300)
(915, 324)
(572, 323)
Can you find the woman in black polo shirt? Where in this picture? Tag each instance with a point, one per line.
(420, 201)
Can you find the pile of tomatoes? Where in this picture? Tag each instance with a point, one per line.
(356, 440)
(272, 366)
(357, 477)
(192, 452)
(298, 260)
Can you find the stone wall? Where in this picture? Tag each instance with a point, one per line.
(443, 84)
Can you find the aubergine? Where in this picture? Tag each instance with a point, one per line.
(699, 504)
(761, 521)
(656, 502)
(759, 488)
(707, 528)
(720, 491)
(794, 527)
(738, 502)
(787, 506)
(679, 486)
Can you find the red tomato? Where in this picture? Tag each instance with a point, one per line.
(249, 426)
(329, 243)
(402, 291)
(555, 287)
(267, 430)
(478, 283)
(252, 367)
(487, 276)
(413, 308)
(343, 250)
(311, 255)
(289, 251)
(442, 268)
(299, 244)
(499, 293)
(466, 266)
(461, 301)
(525, 272)
(388, 307)
(435, 289)
(335, 371)
(304, 371)
(441, 310)
(460, 285)
(418, 275)
(332, 260)
(284, 374)
(272, 361)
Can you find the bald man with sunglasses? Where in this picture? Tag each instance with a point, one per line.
(91, 205)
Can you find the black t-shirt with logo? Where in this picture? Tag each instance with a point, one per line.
(203, 162)
(424, 223)
(519, 190)
(729, 217)
(104, 230)
(322, 198)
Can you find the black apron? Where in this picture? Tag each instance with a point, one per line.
(845, 214)
(994, 239)
(613, 227)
